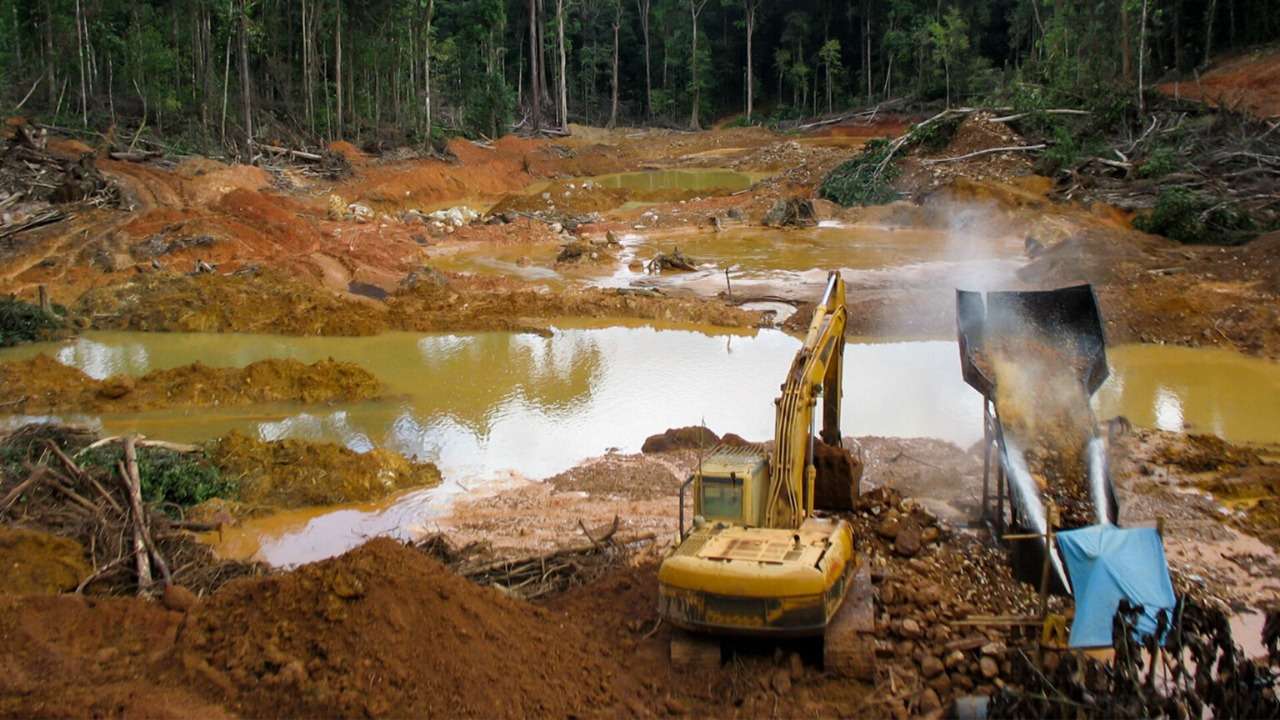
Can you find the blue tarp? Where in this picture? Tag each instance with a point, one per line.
(1107, 563)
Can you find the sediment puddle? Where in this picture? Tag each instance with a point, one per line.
(491, 409)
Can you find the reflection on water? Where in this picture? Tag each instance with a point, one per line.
(1201, 390)
(489, 407)
(481, 403)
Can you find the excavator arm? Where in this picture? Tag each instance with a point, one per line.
(816, 370)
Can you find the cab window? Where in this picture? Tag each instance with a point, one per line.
(722, 497)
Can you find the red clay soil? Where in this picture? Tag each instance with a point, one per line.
(386, 630)
(1248, 82)
(74, 656)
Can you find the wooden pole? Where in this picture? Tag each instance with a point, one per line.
(46, 307)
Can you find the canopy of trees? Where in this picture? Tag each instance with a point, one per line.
(244, 71)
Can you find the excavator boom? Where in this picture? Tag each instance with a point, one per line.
(816, 370)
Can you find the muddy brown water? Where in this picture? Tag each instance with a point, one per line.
(493, 409)
(791, 262)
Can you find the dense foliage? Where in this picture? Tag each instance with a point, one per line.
(204, 72)
(23, 322)
(182, 479)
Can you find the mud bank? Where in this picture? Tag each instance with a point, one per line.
(43, 385)
(426, 302)
(297, 473)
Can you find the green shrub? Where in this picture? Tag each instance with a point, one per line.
(854, 182)
(1189, 217)
(23, 322)
(1162, 161)
(168, 476)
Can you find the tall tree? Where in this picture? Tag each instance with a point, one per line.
(749, 8)
(535, 89)
(564, 82)
(643, 8)
(695, 9)
(246, 90)
(617, 25)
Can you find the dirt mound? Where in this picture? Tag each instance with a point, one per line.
(693, 436)
(385, 630)
(37, 563)
(42, 384)
(298, 473)
(354, 155)
(1249, 82)
(265, 302)
(72, 656)
(633, 477)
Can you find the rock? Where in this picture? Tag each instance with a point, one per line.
(954, 660)
(781, 681)
(359, 212)
(796, 666)
(611, 238)
(989, 667)
(941, 683)
(929, 594)
(931, 666)
(735, 214)
(795, 212)
(993, 648)
(907, 542)
(905, 649)
(178, 598)
(961, 681)
(573, 252)
(555, 228)
(929, 701)
(911, 628)
(116, 387)
(930, 535)
(889, 527)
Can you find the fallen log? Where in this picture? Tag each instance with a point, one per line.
(298, 154)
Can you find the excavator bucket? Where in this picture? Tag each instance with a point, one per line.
(839, 472)
(1068, 318)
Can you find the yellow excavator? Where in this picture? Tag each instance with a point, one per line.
(761, 558)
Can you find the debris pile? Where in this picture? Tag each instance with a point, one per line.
(791, 212)
(32, 181)
(52, 484)
(44, 385)
(1198, 671)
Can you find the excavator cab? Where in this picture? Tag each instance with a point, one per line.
(730, 485)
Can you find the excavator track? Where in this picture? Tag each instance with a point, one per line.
(848, 646)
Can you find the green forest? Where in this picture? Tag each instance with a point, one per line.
(203, 73)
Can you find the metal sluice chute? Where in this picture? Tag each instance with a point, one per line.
(1068, 319)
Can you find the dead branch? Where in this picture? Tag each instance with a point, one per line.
(988, 151)
(36, 475)
(127, 469)
(1054, 111)
(80, 474)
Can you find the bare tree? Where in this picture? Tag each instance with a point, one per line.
(1142, 52)
(84, 94)
(749, 8)
(617, 24)
(337, 49)
(426, 64)
(246, 91)
(695, 9)
(535, 86)
(643, 7)
(564, 83)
